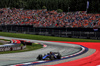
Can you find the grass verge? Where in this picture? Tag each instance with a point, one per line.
(5, 39)
(48, 38)
(1, 43)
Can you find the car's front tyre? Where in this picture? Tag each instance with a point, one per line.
(39, 57)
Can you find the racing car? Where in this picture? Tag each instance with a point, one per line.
(49, 56)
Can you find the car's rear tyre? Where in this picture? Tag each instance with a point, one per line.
(39, 57)
(59, 56)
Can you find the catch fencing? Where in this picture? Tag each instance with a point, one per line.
(88, 33)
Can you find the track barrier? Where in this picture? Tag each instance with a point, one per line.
(11, 48)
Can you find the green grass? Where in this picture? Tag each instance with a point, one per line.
(1, 43)
(5, 39)
(48, 38)
(39, 37)
(28, 48)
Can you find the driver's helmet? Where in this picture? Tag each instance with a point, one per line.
(50, 52)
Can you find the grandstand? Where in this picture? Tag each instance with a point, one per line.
(44, 18)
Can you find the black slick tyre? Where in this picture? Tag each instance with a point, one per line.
(39, 57)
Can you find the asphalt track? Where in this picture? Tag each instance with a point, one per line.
(30, 56)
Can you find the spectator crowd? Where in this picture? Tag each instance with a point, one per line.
(44, 18)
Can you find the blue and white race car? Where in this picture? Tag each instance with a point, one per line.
(50, 56)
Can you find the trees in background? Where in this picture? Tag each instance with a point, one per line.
(65, 5)
(59, 10)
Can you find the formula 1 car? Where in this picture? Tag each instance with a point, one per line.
(49, 56)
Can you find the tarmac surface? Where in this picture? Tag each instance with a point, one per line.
(30, 56)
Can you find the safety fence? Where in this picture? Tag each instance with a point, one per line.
(89, 33)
